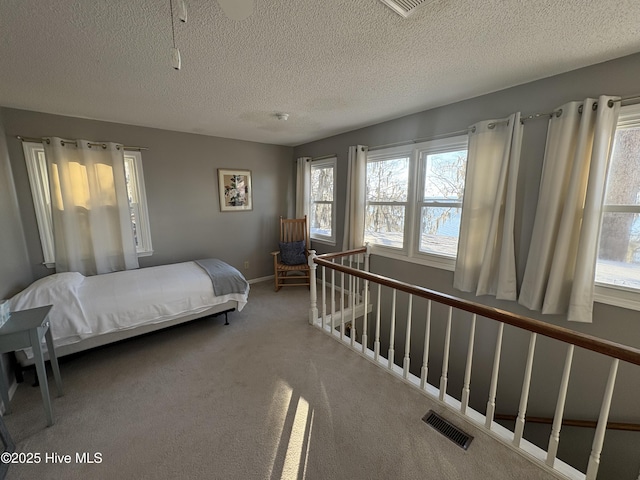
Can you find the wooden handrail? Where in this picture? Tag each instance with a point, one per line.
(625, 426)
(346, 253)
(589, 342)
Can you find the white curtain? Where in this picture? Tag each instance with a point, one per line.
(560, 270)
(92, 230)
(354, 212)
(303, 186)
(485, 262)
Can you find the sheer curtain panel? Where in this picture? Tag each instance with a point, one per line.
(303, 186)
(92, 229)
(486, 253)
(560, 270)
(354, 213)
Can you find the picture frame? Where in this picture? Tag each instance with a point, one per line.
(234, 190)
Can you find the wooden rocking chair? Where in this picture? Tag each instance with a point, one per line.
(290, 262)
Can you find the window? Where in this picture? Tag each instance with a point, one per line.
(138, 202)
(414, 200)
(39, 181)
(387, 201)
(322, 205)
(441, 201)
(618, 266)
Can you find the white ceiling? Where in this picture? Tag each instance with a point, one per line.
(333, 65)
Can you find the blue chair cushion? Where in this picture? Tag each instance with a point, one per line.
(292, 253)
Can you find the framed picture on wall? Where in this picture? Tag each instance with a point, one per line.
(234, 188)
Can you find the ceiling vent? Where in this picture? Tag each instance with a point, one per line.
(404, 8)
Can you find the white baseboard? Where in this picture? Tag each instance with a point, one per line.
(261, 279)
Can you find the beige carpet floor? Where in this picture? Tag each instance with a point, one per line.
(267, 397)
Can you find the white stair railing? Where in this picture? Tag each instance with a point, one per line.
(354, 305)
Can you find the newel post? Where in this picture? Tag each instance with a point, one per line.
(313, 292)
(366, 297)
(367, 254)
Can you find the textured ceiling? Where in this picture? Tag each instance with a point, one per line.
(333, 65)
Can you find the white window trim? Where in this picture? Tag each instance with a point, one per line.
(145, 248)
(42, 206)
(41, 202)
(616, 296)
(410, 252)
(391, 154)
(606, 293)
(460, 142)
(324, 239)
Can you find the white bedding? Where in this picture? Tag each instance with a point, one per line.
(84, 307)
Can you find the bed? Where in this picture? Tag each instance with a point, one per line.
(92, 311)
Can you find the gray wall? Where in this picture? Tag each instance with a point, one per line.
(15, 273)
(618, 77)
(180, 172)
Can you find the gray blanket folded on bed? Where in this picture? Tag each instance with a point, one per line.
(224, 277)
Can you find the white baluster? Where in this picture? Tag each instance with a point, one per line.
(365, 266)
(365, 326)
(493, 388)
(342, 291)
(524, 395)
(554, 439)
(352, 283)
(324, 298)
(425, 351)
(407, 341)
(466, 388)
(350, 298)
(598, 438)
(392, 336)
(333, 299)
(356, 291)
(376, 340)
(445, 357)
(313, 309)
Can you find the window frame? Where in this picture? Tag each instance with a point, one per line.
(144, 247)
(390, 154)
(435, 147)
(324, 163)
(415, 201)
(39, 183)
(610, 294)
(36, 171)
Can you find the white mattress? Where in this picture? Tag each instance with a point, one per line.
(85, 307)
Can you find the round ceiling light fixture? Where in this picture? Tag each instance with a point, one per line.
(282, 116)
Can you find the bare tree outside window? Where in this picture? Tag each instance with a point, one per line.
(387, 194)
(414, 199)
(441, 203)
(619, 251)
(322, 200)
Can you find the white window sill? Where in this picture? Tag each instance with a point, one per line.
(323, 241)
(617, 296)
(605, 294)
(140, 254)
(435, 261)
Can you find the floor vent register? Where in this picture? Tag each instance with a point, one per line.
(450, 431)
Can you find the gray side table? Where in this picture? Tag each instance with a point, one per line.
(27, 328)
